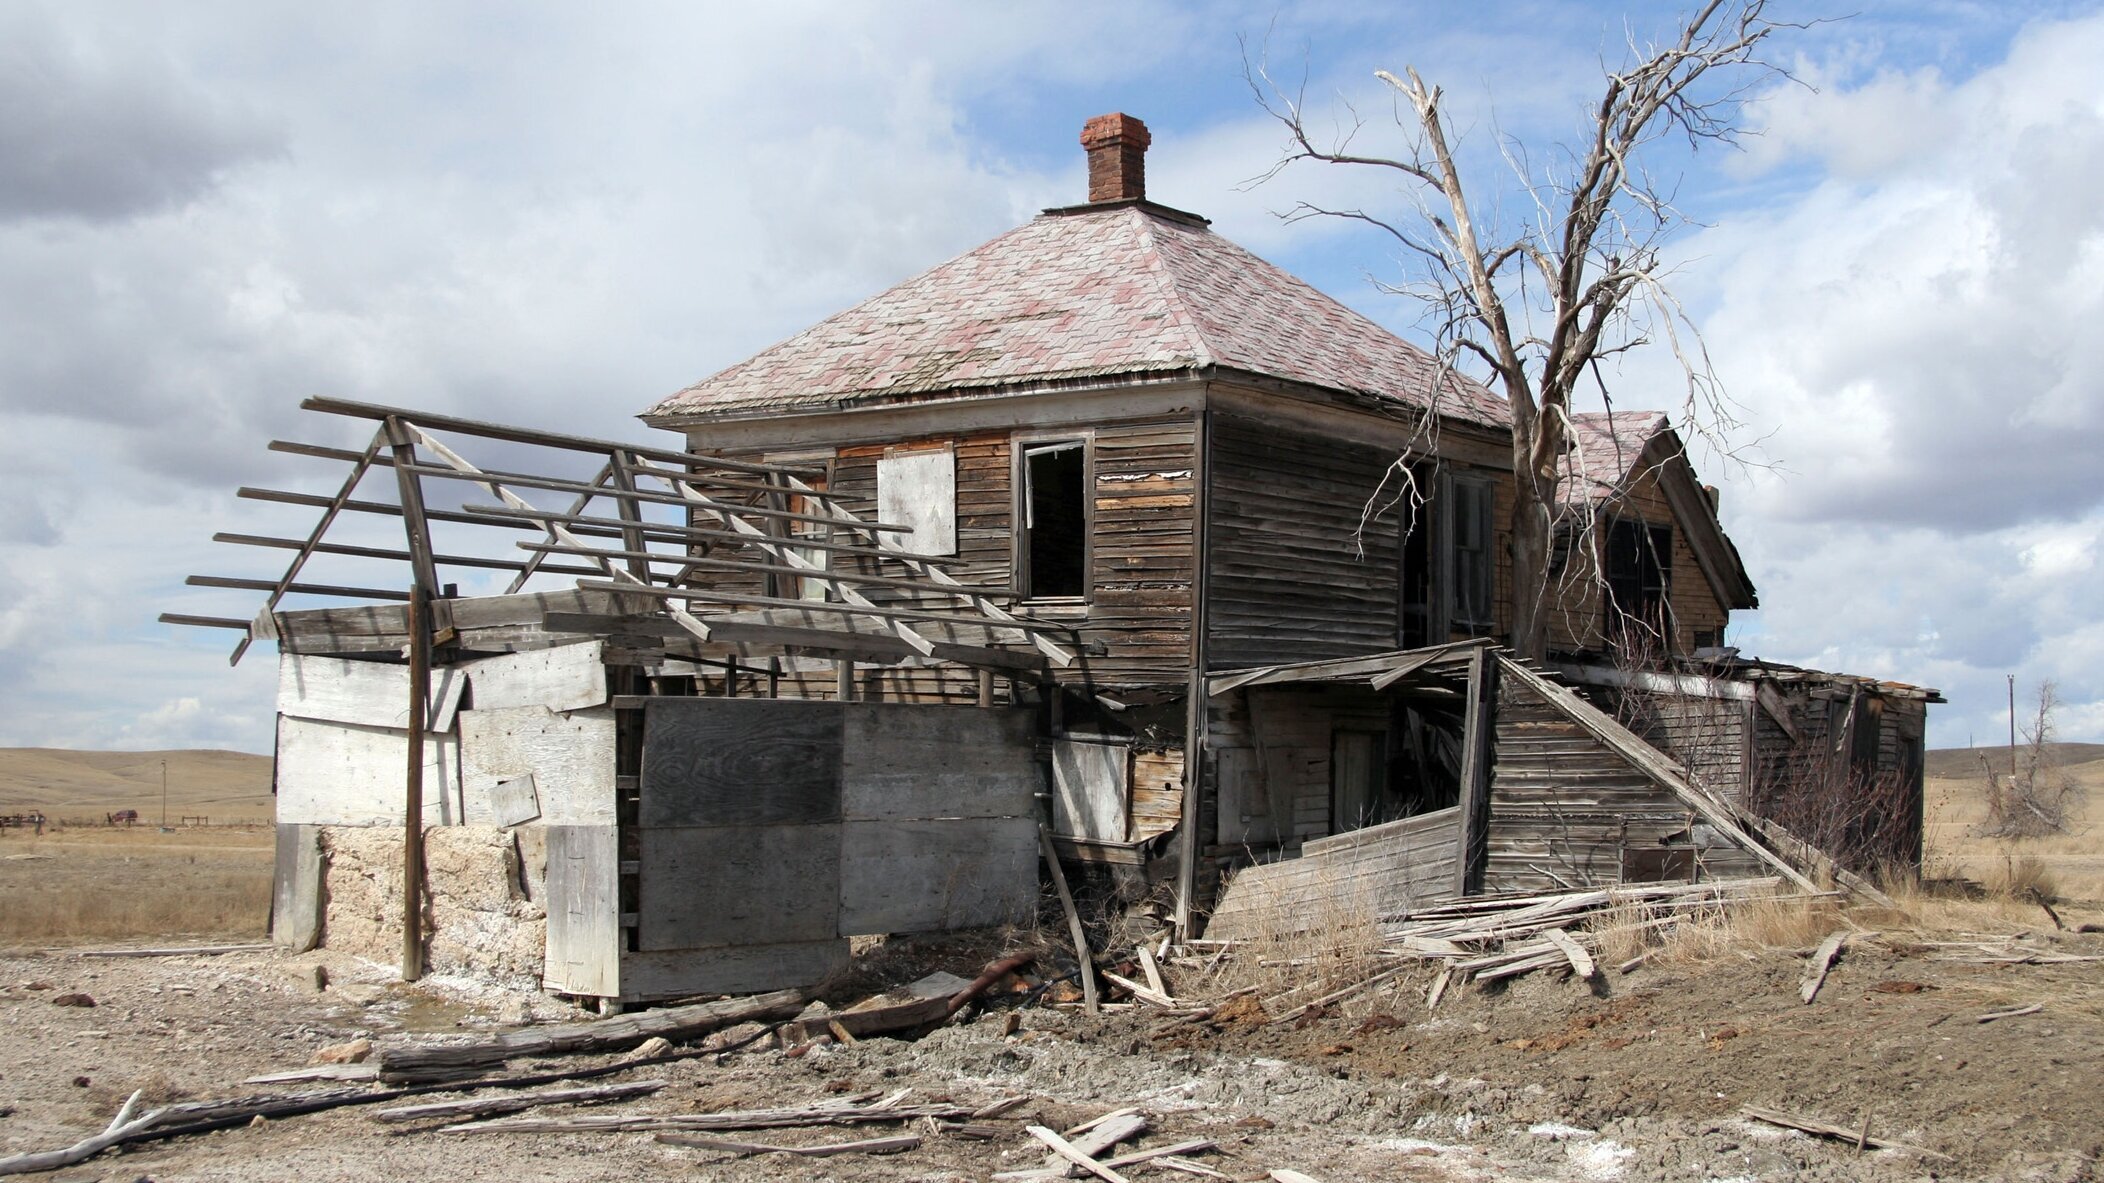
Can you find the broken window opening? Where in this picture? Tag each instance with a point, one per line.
(1052, 550)
(1639, 585)
(1466, 513)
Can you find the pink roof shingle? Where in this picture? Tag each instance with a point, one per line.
(1605, 446)
(1122, 290)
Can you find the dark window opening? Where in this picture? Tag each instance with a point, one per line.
(1639, 580)
(1416, 624)
(1054, 548)
(1467, 516)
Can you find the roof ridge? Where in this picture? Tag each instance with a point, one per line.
(1203, 352)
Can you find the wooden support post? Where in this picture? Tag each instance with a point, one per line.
(1476, 729)
(844, 680)
(1066, 902)
(413, 799)
(1189, 843)
(986, 688)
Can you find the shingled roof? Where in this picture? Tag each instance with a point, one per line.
(1605, 446)
(1118, 290)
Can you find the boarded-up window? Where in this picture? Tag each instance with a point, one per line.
(1465, 514)
(918, 489)
(1052, 547)
(1089, 788)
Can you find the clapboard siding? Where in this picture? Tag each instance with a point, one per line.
(1293, 576)
(1367, 876)
(1567, 811)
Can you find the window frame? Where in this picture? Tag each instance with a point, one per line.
(1020, 446)
(1456, 615)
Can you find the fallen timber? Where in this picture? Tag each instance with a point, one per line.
(674, 1023)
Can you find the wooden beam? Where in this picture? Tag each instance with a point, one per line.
(204, 621)
(416, 529)
(1476, 732)
(280, 589)
(821, 574)
(598, 527)
(838, 609)
(382, 552)
(614, 493)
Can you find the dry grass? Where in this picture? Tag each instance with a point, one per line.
(98, 884)
(1300, 952)
(2070, 866)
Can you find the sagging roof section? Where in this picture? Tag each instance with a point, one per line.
(1112, 290)
(1611, 450)
(638, 530)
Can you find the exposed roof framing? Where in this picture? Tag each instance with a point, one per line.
(767, 521)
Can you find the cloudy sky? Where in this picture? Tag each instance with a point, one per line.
(554, 215)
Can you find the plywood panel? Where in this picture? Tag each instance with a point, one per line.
(733, 885)
(584, 906)
(341, 774)
(564, 678)
(367, 693)
(926, 876)
(736, 762)
(908, 761)
(1089, 790)
(918, 489)
(569, 756)
(738, 969)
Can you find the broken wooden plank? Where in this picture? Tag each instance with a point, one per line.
(367, 1071)
(181, 951)
(1827, 1129)
(891, 1145)
(615, 1034)
(1822, 960)
(1068, 1151)
(1581, 961)
(749, 1119)
(1138, 991)
(2011, 1013)
(489, 1106)
(1153, 971)
(1093, 1138)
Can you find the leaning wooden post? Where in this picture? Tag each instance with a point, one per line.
(413, 798)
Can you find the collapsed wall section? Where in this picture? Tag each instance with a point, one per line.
(517, 746)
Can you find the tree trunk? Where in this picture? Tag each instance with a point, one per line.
(1533, 498)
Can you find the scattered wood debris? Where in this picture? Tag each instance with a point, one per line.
(2011, 1013)
(1822, 960)
(1826, 1129)
(891, 1145)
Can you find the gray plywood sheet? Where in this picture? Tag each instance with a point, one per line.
(738, 969)
(569, 756)
(735, 885)
(901, 876)
(756, 762)
(366, 693)
(908, 762)
(342, 774)
(562, 678)
(1089, 789)
(584, 911)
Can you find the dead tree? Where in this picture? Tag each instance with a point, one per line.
(2040, 798)
(1582, 278)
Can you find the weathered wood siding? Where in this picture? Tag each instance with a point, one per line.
(1364, 877)
(1870, 819)
(1577, 620)
(1567, 811)
(1142, 555)
(1296, 574)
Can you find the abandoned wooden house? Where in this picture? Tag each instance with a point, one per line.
(1107, 524)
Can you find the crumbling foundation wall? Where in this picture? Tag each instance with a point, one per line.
(485, 909)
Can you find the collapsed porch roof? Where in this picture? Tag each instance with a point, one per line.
(809, 572)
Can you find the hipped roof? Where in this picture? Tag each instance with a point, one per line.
(1126, 289)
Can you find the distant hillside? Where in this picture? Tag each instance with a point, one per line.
(225, 786)
(1962, 763)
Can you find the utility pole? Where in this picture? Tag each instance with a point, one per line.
(2012, 731)
(164, 795)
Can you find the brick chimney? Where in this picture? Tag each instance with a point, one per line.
(1117, 148)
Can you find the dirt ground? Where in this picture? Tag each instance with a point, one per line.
(1638, 1076)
